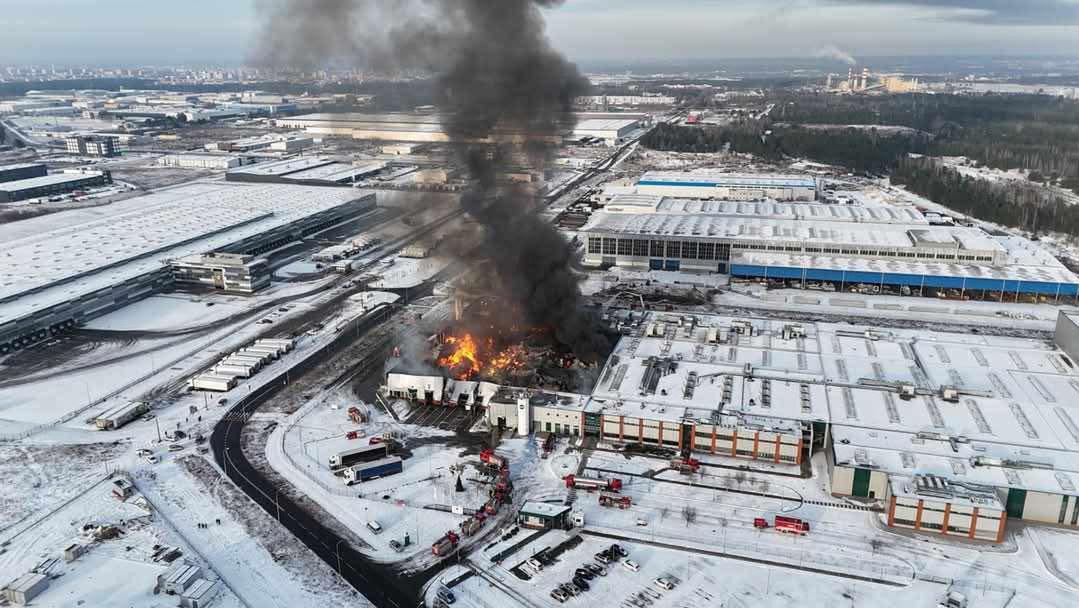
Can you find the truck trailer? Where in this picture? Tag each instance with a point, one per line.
(284, 343)
(365, 471)
(212, 382)
(271, 351)
(367, 453)
(237, 370)
(120, 415)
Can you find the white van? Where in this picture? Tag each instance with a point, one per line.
(374, 526)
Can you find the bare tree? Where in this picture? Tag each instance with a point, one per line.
(764, 486)
(740, 477)
(689, 513)
(663, 512)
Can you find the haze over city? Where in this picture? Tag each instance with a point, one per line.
(201, 31)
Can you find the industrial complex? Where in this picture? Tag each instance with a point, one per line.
(796, 241)
(66, 275)
(975, 429)
(599, 358)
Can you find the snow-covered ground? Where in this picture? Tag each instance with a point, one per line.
(300, 448)
(118, 572)
(698, 530)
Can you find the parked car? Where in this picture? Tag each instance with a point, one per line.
(176, 448)
(584, 573)
(535, 564)
(631, 565)
(446, 595)
(664, 583)
(396, 546)
(580, 582)
(374, 526)
(152, 459)
(617, 549)
(642, 521)
(143, 452)
(603, 557)
(559, 596)
(596, 569)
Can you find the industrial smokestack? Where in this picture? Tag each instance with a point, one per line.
(499, 82)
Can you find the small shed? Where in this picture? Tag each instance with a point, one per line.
(543, 516)
(24, 589)
(178, 578)
(73, 552)
(201, 593)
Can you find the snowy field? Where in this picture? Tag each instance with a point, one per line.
(94, 579)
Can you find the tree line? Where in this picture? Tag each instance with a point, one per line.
(1014, 203)
(856, 149)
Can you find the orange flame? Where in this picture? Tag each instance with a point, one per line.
(464, 357)
(468, 358)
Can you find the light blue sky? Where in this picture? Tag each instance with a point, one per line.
(179, 31)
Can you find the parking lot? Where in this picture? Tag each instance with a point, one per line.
(443, 417)
(566, 568)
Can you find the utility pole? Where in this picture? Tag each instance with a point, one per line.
(157, 422)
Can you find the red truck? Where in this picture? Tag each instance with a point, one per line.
(593, 483)
(446, 544)
(791, 525)
(686, 465)
(471, 526)
(614, 500)
(489, 458)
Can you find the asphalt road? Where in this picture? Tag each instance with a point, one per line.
(378, 583)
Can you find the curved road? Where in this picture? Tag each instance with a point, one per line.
(381, 585)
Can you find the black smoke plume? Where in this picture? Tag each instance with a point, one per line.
(506, 98)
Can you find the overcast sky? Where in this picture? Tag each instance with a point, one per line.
(181, 31)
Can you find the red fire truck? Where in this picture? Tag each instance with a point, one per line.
(446, 544)
(593, 483)
(686, 466)
(614, 500)
(489, 458)
(791, 525)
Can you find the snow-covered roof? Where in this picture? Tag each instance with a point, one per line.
(543, 509)
(1047, 273)
(284, 167)
(794, 228)
(733, 180)
(47, 180)
(632, 202)
(71, 258)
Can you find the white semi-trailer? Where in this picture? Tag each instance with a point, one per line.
(212, 382)
(120, 415)
(239, 370)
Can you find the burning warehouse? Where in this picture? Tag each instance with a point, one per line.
(465, 368)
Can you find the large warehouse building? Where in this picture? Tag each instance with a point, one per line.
(729, 186)
(59, 271)
(428, 128)
(808, 244)
(49, 185)
(10, 173)
(309, 170)
(946, 433)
